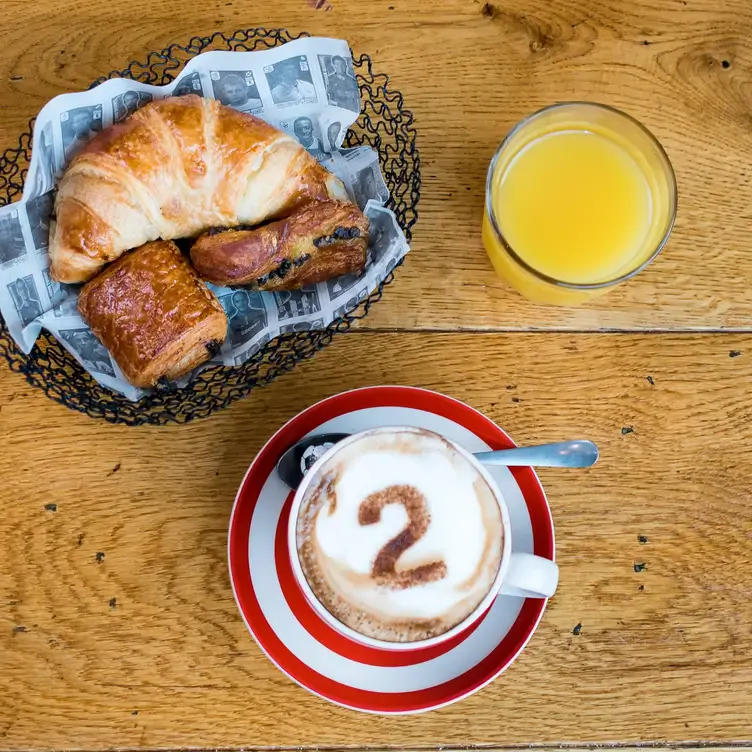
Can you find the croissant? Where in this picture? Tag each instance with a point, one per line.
(323, 239)
(173, 169)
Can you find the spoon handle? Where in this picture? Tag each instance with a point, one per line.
(563, 454)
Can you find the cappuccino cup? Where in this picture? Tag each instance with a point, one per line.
(400, 539)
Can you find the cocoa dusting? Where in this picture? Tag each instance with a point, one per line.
(384, 567)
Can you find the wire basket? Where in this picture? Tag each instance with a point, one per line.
(384, 124)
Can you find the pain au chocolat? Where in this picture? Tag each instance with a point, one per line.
(321, 240)
(155, 316)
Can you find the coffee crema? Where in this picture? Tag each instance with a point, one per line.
(399, 535)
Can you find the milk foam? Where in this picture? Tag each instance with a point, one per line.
(463, 530)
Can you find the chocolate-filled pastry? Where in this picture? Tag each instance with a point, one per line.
(155, 316)
(323, 239)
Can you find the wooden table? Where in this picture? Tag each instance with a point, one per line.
(145, 648)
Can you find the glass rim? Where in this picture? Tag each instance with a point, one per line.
(673, 203)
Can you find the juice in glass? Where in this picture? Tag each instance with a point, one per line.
(579, 197)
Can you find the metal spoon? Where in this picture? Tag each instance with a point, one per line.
(300, 457)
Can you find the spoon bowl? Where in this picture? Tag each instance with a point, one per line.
(300, 457)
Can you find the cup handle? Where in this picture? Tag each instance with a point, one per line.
(530, 576)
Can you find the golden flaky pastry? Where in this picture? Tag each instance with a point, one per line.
(174, 169)
(154, 315)
(321, 240)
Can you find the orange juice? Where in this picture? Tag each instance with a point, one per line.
(579, 197)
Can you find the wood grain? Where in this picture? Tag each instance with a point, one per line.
(470, 70)
(144, 647)
(117, 624)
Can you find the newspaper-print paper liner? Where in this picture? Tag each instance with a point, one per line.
(307, 88)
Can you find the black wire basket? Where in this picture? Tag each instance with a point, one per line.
(384, 124)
